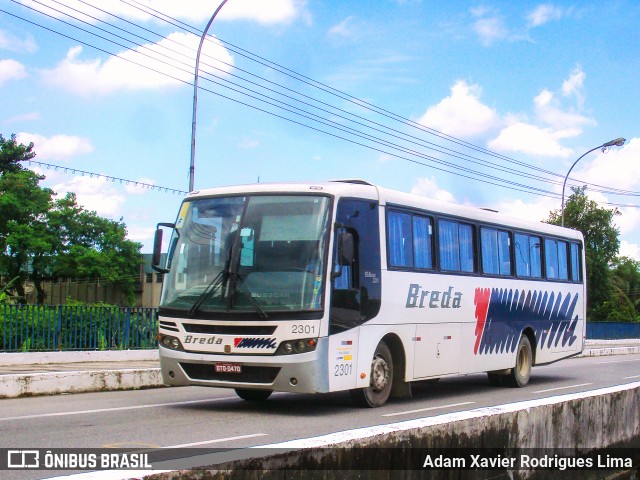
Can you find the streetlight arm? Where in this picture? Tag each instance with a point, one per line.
(192, 166)
(618, 142)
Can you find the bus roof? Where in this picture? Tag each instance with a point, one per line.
(363, 189)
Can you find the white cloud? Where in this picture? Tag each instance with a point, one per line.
(174, 56)
(536, 211)
(628, 221)
(272, 12)
(343, 29)
(461, 114)
(427, 187)
(268, 13)
(575, 83)
(628, 249)
(57, 147)
(543, 14)
(548, 110)
(526, 138)
(13, 43)
(26, 117)
(94, 193)
(140, 234)
(11, 70)
(555, 122)
(249, 143)
(618, 168)
(489, 26)
(490, 30)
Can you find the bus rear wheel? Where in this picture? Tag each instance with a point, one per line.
(381, 380)
(521, 372)
(253, 395)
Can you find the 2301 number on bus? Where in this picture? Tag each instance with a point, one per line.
(343, 370)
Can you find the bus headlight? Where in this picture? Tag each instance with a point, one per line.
(303, 345)
(170, 342)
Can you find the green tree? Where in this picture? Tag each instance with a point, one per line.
(24, 205)
(12, 153)
(624, 302)
(601, 239)
(91, 246)
(40, 237)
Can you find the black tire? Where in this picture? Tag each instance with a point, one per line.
(381, 380)
(521, 372)
(253, 395)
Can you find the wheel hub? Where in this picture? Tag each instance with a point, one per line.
(379, 373)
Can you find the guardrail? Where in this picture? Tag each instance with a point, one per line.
(613, 330)
(61, 327)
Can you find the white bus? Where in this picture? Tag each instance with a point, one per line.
(343, 285)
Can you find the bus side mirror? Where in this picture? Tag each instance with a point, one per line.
(157, 248)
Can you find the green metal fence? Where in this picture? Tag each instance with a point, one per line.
(31, 328)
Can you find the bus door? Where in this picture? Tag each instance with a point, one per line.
(355, 285)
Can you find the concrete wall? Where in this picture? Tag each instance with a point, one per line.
(579, 423)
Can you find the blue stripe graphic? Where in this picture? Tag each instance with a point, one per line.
(549, 314)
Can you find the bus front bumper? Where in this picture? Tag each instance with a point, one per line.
(301, 373)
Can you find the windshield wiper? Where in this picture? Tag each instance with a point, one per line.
(254, 303)
(217, 281)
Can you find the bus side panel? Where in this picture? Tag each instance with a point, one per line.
(342, 360)
(437, 350)
(466, 324)
(503, 310)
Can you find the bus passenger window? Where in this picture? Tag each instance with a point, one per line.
(527, 253)
(575, 263)
(456, 246)
(422, 242)
(496, 251)
(400, 239)
(556, 260)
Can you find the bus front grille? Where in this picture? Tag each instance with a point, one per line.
(250, 374)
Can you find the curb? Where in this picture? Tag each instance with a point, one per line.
(24, 385)
(601, 352)
(41, 358)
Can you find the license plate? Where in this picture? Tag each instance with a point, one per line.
(228, 368)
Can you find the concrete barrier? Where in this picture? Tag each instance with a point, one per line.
(572, 424)
(52, 383)
(43, 358)
(567, 425)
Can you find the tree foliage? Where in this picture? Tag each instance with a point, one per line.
(12, 153)
(602, 242)
(623, 304)
(41, 237)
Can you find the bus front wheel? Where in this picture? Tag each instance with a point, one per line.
(381, 380)
(520, 374)
(253, 395)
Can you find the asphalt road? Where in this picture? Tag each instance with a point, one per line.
(216, 418)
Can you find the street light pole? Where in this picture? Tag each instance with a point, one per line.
(618, 142)
(192, 165)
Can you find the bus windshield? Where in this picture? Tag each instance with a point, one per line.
(260, 253)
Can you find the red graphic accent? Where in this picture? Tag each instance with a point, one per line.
(481, 300)
(236, 341)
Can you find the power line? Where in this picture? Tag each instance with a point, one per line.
(473, 174)
(331, 124)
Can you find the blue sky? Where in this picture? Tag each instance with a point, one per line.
(481, 103)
